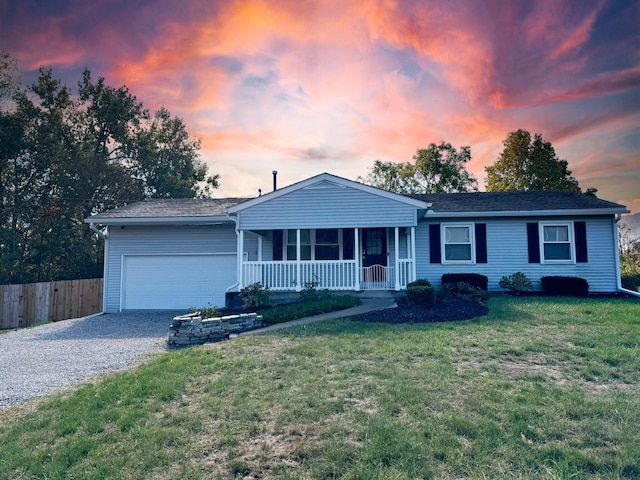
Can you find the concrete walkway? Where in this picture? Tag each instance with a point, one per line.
(369, 303)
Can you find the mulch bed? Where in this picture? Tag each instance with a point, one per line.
(450, 309)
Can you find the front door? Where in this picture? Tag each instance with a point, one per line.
(374, 247)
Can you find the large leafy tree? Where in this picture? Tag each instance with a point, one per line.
(436, 169)
(65, 156)
(528, 163)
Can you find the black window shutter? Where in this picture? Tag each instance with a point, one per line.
(434, 243)
(533, 241)
(277, 245)
(481, 243)
(580, 233)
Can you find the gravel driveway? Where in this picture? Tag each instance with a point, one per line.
(45, 359)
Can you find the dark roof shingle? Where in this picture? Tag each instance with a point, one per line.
(514, 201)
(171, 208)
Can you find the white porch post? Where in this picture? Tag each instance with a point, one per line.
(413, 254)
(396, 251)
(260, 248)
(356, 256)
(240, 258)
(298, 269)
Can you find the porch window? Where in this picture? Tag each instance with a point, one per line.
(556, 242)
(321, 244)
(327, 245)
(305, 244)
(458, 244)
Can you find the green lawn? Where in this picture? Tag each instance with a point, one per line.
(539, 388)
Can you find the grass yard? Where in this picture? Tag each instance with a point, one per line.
(539, 388)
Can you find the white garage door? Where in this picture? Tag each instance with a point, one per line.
(159, 282)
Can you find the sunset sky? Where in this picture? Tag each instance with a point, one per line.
(306, 87)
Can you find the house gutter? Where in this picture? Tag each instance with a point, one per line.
(235, 222)
(192, 220)
(430, 213)
(104, 234)
(630, 292)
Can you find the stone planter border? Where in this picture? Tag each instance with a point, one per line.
(192, 329)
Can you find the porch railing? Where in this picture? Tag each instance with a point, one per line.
(330, 274)
(405, 272)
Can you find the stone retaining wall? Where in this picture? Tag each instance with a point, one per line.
(191, 329)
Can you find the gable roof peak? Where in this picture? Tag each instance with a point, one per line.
(328, 179)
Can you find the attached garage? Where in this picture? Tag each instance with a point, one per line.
(159, 282)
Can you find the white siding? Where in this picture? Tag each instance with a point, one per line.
(507, 253)
(330, 206)
(214, 239)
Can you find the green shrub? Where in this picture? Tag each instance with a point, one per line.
(565, 286)
(631, 282)
(517, 283)
(421, 282)
(207, 312)
(474, 279)
(310, 292)
(423, 295)
(464, 290)
(255, 295)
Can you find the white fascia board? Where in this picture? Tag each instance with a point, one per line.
(526, 213)
(160, 220)
(329, 178)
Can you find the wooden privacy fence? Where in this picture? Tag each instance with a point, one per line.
(33, 303)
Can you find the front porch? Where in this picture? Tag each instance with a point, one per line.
(365, 258)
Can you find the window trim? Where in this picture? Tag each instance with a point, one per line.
(287, 244)
(472, 243)
(312, 244)
(571, 241)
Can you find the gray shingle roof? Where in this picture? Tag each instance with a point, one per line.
(171, 207)
(515, 201)
(189, 209)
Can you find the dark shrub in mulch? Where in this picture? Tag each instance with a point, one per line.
(450, 309)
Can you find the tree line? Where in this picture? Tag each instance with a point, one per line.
(65, 155)
(525, 163)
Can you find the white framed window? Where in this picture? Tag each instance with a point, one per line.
(305, 244)
(327, 245)
(320, 244)
(557, 243)
(458, 243)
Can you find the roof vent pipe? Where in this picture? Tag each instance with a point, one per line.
(275, 183)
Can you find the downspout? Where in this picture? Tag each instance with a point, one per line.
(104, 234)
(618, 276)
(235, 285)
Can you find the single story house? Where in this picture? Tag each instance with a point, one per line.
(343, 235)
